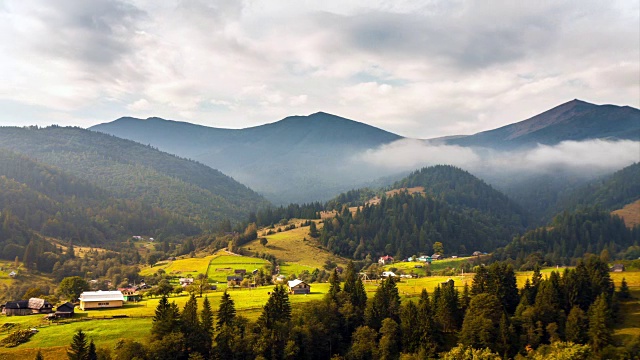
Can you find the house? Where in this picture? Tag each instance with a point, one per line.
(384, 260)
(65, 310)
(339, 270)
(234, 280)
(240, 272)
(101, 299)
(40, 306)
(617, 268)
(13, 274)
(426, 259)
(448, 282)
(280, 279)
(27, 307)
(185, 281)
(298, 287)
(436, 257)
(388, 274)
(130, 294)
(477, 253)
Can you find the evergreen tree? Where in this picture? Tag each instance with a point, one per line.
(623, 292)
(389, 346)
(334, 286)
(190, 325)
(206, 327)
(226, 311)
(385, 304)
(363, 346)
(277, 309)
(599, 330)
(166, 319)
(91, 353)
(430, 337)
(410, 327)
(39, 355)
(78, 349)
(480, 328)
(576, 327)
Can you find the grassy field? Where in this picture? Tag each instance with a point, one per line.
(296, 248)
(409, 267)
(630, 214)
(6, 267)
(222, 266)
(183, 267)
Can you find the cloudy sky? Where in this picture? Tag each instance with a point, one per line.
(417, 68)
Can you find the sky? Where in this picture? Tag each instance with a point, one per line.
(420, 69)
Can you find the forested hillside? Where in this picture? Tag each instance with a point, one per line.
(129, 170)
(458, 209)
(570, 236)
(60, 205)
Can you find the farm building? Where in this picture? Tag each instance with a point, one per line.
(101, 299)
(436, 257)
(130, 294)
(240, 272)
(13, 274)
(186, 281)
(280, 279)
(298, 287)
(65, 310)
(27, 307)
(234, 280)
(388, 274)
(617, 268)
(384, 260)
(477, 253)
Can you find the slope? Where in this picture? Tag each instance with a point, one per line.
(575, 120)
(297, 159)
(130, 170)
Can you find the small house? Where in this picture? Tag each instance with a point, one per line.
(234, 280)
(388, 274)
(436, 257)
(240, 272)
(40, 306)
(65, 310)
(20, 307)
(385, 260)
(185, 281)
(13, 274)
(130, 294)
(477, 253)
(617, 268)
(298, 287)
(101, 299)
(280, 279)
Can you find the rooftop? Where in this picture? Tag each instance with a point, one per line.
(101, 296)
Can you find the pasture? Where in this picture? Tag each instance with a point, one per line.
(221, 266)
(182, 267)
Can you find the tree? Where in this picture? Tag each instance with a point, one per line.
(78, 349)
(599, 330)
(389, 346)
(163, 288)
(385, 304)
(624, 293)
(263, 241)
(91, 353)
(39, 355)
(166, 319)
(313, 230)
(462, 352)
(202, 280)
(576, 326)
(363, 345)
(206, 322)
(277, 309)
(334, 287)
(226, 311)
(71, 287)
(481, 322)
(438, 248)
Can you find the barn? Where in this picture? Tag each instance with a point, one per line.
(101, 299)
(65, 310)
(298, 287)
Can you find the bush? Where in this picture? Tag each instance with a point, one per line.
(16, 338)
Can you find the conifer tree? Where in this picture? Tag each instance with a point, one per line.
(430, 336)
(623, 292)
(166, 319)
(599, 330)
(334, 286)
(277, 309)
(226, 311)
(385, 304)
(576, 327)
(389, 346)
(91, 353)
(78, 349)
(194, 335)
(39, 355)
(410, 327)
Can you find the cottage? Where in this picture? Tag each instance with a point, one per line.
(280, 279)
(234, 281)
(384, 260)
(240, 272)
(130, 294)
(65, 310)
(617, 268)
(298, 287)
(185, 281)
(101, 299)
(436, 257)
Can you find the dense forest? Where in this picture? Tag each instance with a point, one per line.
(570, 236)
(129, 170)
(565, 316)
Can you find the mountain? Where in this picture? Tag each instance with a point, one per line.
(456, 208)
(575, 120)
(128, 170)
(297, 159)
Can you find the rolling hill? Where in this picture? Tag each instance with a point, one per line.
(297, 159)
(128, 170)
(575, 120)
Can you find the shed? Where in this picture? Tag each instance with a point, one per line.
(298, 287)
(20, 307)
(240, 272)
(130, 294)
(234, 280)
(436, 257)
(40, 306)
(185, 281)
(65, 310)
(388, 274)
(384, 260)
(101, 299)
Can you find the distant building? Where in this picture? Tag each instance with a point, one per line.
(298, 287)
(234, 280)
(436, 257)
(130, 294)
(65, 310)
(28, 307)
(13, 274)
(477, 253)
(617, 268)
(388, 274)
(384, 260)
(185, 281)
(240, 272)
(101, 299)
(280, 279)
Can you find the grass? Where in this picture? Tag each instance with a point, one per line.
(630, 214)
(183, 267)
(409, 267)
(222, 266)
(628, 327)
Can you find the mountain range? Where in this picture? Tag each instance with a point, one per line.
(310, 158)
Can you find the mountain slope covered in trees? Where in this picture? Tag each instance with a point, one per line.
(129, 170)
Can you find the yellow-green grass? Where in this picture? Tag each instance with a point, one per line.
(437, 265)
(7, 267)
(294, 246)
(628, 327)
(222, 266)
(181, 267)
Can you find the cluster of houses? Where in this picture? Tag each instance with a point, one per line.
(36, 306)
(387, 259)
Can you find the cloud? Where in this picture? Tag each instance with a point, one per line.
(591, 156)
(139, 105)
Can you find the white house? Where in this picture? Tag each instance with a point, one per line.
(388, 274)
(186, 281)
(101, 299)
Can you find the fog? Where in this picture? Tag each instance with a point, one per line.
(591, 157)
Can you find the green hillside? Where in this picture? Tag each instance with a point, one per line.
(129, 170)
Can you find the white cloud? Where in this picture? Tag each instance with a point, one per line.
(139, 105)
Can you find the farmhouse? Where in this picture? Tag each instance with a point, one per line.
(101, 299)
(617, 268)
(436, 257)
(27, 307)
(298, 287)
(234, 281)
(384, 260)
(130, 294)
(186, 281)
(13, 274)
(388, 274)
(65, 310)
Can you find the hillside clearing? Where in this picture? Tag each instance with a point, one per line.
(630, 214)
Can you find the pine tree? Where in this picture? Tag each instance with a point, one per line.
(91, 353)
(190, 325)
(226, 311)
(39, 355)
(277, 309)
(78, 350)
(430, 336)
(624, 293)
(576, 327)
(599, 330)
(334, 286)
(166, 319)
(389, 346)
(206, 323)
(410, 327)
(385, 304)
